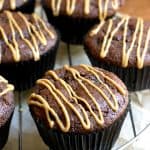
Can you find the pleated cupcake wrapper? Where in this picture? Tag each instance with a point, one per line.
(4, 132)
(24, 74)
(28, 7)
(135, 79)
(100, 140)
(72, 30)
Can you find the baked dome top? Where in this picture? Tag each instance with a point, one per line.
(78, 99)
(123, 41)
(24, 37)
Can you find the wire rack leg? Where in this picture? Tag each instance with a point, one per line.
(132, 120)
(20, 120)
(69, 54)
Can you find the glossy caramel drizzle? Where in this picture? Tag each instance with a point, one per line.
(34, 31)
(64, 103)
(8, 88)
(137, 35)
(71, 5)
(115, 4)
(11, 2)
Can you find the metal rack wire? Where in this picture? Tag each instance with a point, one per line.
(20, 120)
(122, 147)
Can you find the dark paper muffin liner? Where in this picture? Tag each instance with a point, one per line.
(135, 79)
(4, 132)
(100, 140)
(24, 74)
(28, 7)
(72, 30)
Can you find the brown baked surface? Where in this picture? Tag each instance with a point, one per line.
(93, 44)
(79, 8)
(7, 104)
(109, 115)
(24, 50)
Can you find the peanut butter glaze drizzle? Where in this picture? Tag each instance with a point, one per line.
(126, 52)
(11, 2)
(34, 31)
(71, 5)
(64, 103)
(8, 88)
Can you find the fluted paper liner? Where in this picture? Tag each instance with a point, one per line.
(135, 79)
(98, 140)
(28, 7)
(24, 74)
(72, 30)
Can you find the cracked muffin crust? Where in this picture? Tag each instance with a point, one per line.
(79, 99)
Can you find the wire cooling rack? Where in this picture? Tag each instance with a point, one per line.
(136, 134)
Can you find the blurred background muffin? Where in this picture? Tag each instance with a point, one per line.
(73, 18)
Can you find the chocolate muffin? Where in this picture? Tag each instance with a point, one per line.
(122, 45)
(7, 106)
(79, 108)
(28, 48)
(73, 18)
(26, 6)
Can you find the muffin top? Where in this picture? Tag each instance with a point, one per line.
(24, 37)
(7, 103)
(78, 99)
(11, 4)
(84, 8)
(122, 41)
